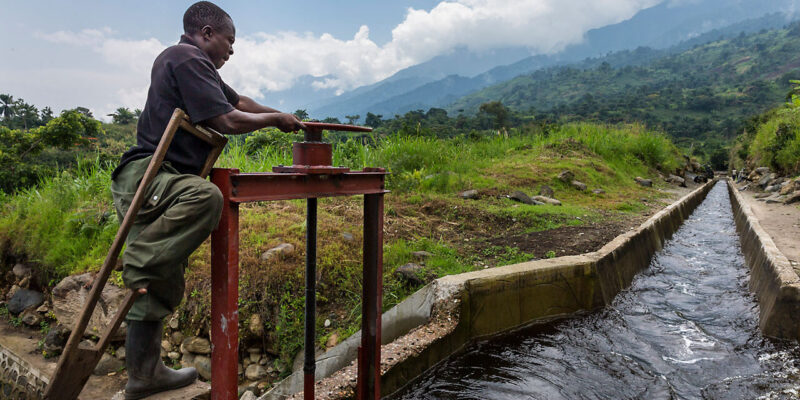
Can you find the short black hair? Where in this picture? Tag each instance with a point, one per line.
(205, 13)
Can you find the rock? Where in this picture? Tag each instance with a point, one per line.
(761, 170)
(255, 325)
(546, 191)
(176, 338)
(166, 345)
(21, 270)
(774, 200)
(676, 180)
(410, 273)
(745, 187)
(792, 198)
(599, 191)
(120, 353)
(24, 299)
(43, 309)
(174, 355)
(327, 323)
(333, 340)
(55, 340)
(31, 318)
(471, 194)
(187, 360)
(790, 186)
(197, 345)
(348, 237)
(263, 361)
(255, 372)
(566, 176)
(421, 255)
(772, 188)
(71, 293)
(777, 181)
(643, 182)
(766, 179)
(761, 195)
(521, 197)
(248, 395)
(108, 364)
(255, 354)
(280, 251)
(173, 323)
(579, 185)
(25, 282)
(547, 200)
(11, 292)
(203, 365)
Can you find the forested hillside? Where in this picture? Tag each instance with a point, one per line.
(701, 96)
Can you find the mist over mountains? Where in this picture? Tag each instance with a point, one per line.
(448, 77)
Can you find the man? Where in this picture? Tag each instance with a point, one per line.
(181, 209)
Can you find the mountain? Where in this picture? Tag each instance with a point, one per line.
(439, 83)
(704, 92)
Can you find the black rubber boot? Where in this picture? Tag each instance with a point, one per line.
(147, 374)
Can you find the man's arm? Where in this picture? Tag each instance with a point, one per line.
(237, 122)
(247, 104)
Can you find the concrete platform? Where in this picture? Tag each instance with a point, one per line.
(198, 391)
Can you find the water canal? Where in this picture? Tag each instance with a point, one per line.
(687, 328)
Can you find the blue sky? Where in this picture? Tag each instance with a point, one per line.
(98, 53)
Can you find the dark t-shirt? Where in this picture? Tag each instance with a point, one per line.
(183, 77)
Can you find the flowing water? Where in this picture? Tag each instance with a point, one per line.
(687, 328)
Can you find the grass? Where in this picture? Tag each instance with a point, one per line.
(66, 224)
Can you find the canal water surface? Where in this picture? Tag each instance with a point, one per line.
(687, 328)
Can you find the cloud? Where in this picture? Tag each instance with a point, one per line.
(269, 62)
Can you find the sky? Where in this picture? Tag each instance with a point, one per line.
(98, 54)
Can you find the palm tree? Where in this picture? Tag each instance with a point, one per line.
(7, 106)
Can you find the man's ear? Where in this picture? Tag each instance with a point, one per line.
(207, 32)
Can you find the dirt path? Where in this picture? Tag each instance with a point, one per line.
(782, 223)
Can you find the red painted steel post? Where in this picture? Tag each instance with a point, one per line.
(225, 293)
(369, 363)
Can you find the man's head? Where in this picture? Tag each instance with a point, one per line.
(212, 29)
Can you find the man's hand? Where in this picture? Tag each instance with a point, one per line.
(288, 122)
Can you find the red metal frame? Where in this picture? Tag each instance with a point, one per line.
(239, 188)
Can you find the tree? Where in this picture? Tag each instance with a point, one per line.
(7, 107)
(27, 115)
(373, 120)
(302, 114)
(46, 115)
(331, 120)
(497, 110)
(352, 119)
(123, 116)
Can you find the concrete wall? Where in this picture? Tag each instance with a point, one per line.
(772, 279)
(19, 379)
(452, 311)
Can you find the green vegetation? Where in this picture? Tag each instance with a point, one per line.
(65, 224)
(701, 97)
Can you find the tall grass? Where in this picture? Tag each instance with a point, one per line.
(777, 142)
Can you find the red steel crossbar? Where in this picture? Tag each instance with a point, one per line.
(248, 187)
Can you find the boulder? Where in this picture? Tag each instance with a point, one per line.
(772, 188)
(31, 318)
(411, 273)
(21, 270)
(333, 340)
(255, 372)
(793, 198)
(469, 194)
(255, 325)
(71, 293)
(176, 338)
(643, 182)
(579, 185)
(547, 200)
(280, 251)
(566, 176)
(790, 186)
(24, 299)
(197, 345)
(120, 353)
(203, 365)
(108, 364)
(765, 180)
(675, 180)
(521, 197)
(761, 170)
(546, 191)
(55, 340)
(248, 395)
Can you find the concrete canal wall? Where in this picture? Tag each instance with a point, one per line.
(772, 278)
(445, 315)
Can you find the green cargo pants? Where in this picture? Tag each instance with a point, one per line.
(178, 214)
